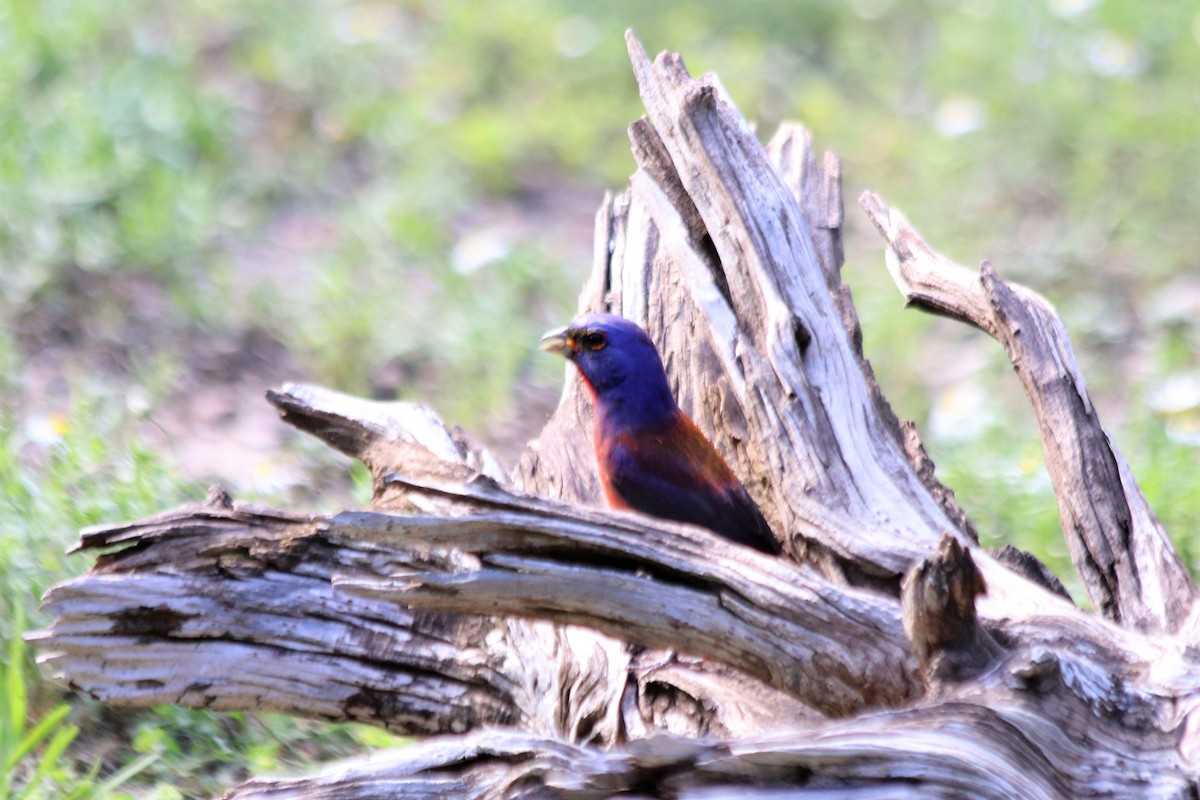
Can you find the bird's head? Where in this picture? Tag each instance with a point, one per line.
(618, 363)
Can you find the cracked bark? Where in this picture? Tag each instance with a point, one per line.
(563, 650)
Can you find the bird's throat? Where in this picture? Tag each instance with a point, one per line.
(632, 403)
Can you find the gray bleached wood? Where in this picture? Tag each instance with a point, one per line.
(1125, 559)
(440, 605)
(948, 750)
(782, 352)
(659, 585)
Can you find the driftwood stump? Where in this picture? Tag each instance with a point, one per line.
(562, 650)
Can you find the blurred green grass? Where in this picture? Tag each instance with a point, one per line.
(398, 195)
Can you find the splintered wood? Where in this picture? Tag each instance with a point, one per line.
(551, 644)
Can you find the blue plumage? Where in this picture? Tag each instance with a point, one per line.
(651, 456)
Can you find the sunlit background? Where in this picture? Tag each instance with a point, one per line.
(199, 200)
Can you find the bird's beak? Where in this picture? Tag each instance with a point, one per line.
(557, 341)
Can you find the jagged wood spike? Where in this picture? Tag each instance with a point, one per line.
(732, 265)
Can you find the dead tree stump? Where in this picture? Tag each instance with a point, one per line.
(562, 650)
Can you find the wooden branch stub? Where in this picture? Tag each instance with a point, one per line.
(456, 604)
(938, 601)
(387, 437)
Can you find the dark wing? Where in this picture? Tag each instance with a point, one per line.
(677, 474)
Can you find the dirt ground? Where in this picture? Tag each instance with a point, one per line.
(196, 395)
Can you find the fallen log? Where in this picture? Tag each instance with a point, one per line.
(558, 649)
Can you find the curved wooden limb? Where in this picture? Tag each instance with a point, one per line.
(243, 608)
(949, 750)
(1021, 718)
(657, 584)
(231, 609)
(386, 436)
(234, 607)
(457, 605)
(1125, 559)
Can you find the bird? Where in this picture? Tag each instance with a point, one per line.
(650, 455)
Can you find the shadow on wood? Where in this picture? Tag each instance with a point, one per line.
(565, 650)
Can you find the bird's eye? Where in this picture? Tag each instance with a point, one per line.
(594, 340)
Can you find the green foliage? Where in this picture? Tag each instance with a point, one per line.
(33, 758)
(118, 157)
(60, 473)
(355, 178)
(203, 753)
(1058, 139)
(22, 771)
(1009, 494)
(1000, 478)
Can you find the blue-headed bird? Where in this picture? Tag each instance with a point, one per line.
(651, 456)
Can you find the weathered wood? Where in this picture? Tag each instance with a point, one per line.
(232, 607)
(388, 665)
(887, 656)
(1132, 572)
(782, 353)
(818, 191)
(232, 610)
(652, 583)
(938, 602)
(657, 585)
(385, 437)
(949, 750)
